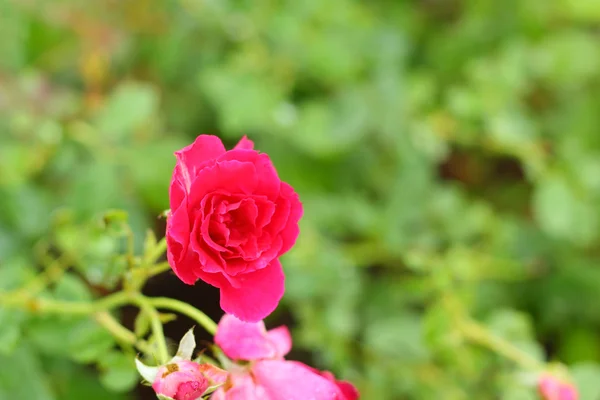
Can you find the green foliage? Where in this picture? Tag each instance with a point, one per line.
(440, 148)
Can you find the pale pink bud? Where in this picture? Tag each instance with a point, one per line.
(181, 380)
(552, 388)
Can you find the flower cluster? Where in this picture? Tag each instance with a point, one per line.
(231, 218)
(256, 369)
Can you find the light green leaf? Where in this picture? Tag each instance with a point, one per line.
(118, 372)
(22, 377)
(130, 106)
(89, 342)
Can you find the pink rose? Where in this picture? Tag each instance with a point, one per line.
(185, 380)
(231, 218)
(552, 388)
(268, 376)
(181, 378)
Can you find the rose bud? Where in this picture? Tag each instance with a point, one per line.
(552, 388)
(181, 378)
(231, 218)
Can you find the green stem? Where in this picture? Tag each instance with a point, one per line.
(121, 333)
(184, 308)
(478, 334)
(158, 251)
(157, 269)
(54, 270)
(157, 328)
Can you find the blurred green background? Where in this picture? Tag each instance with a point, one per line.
(440, 148)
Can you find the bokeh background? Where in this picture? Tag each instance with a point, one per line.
(440, 148)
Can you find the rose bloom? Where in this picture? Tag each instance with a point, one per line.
(231, 218)
(268, 376)
(186, 380)
(552, 388)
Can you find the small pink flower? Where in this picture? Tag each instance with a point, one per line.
(552, 388)
(182, 380)
(268, 376)
(231, 218)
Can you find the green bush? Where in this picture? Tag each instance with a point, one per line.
(446, 153)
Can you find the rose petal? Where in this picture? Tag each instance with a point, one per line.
(233, 177)
(347, 390)
(290, 233)
(217, 280)
(191, 159)
(176, 193)
(241, 340)
(244, 144)
(281, 339)
(291, 380)
(215, 376)
(266, 175)
(242, 387)
(209, 259)
(181, 260)
(258, 295)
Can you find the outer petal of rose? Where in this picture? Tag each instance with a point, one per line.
(214, 375)
(258, 295)
(181, 260)
(177, 192)
(216, 280)
(290, 233)
(347, 391)
(241, 388)
(244, 144)
(194, 157)
(241, 340)
(281, 339)
(291, 380)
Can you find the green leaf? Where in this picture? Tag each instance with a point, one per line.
(50, 334)
(563, 212)
(129, 107)
(72, 288)
(89, 342)
(118, 372)
(151, 166)
(22, 377)
(71, 382)
(10, 329)
(586, 377)
(399, 337)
